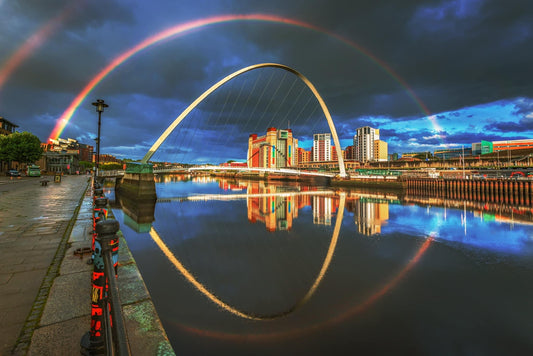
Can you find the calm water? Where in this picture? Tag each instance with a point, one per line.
(249, 268)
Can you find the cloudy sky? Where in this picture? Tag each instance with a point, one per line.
(428, 74)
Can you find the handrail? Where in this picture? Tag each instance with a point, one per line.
(104, 336)
(120, 339)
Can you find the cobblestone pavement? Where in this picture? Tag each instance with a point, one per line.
(33, 223)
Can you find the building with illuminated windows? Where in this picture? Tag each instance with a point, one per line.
(367, 145)
(381, 151)
(448, 153)
(7, 127)
(304, 156)
(321, 147)
(276, 149)
(511, 145)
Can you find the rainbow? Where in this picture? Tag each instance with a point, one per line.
(32, 43)
(196, 24)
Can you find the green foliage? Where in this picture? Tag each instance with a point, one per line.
(22, 147)
(109, 166)
(86, 164)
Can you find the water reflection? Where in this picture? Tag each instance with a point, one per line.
(374, 213)
(250, 315)
(277, 211)
(371, 210)
(284, 266)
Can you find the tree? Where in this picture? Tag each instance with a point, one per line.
(86, 165)
(22, 147)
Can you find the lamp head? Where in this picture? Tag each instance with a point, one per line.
(100, 105)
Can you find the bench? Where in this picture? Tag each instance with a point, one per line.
(44, 182)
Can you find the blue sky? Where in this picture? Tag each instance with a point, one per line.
(468, 62)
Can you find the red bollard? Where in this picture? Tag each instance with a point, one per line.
(99, 214)
(93, 342)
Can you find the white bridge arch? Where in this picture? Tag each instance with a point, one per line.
(168, 131)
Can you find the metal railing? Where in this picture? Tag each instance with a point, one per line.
(107, 334)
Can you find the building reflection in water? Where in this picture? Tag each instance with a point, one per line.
(369, 216)
(277, 205)
(371, 210)
(488, 212)
(277, 212)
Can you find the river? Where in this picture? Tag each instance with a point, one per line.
(257, 268)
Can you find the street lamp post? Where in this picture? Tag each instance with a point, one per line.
(100, 105)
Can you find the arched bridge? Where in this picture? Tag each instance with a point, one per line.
(228, 78)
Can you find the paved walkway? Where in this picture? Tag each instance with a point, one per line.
(45, 288)
(33, 221)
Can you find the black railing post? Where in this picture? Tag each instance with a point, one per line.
(94, 341)
(99, 213)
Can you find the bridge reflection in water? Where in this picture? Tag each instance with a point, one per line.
(245, 267)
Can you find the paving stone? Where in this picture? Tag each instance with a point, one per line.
(50, 309)
(61, 338)
(32, 222)
(7, 334)
(5, 277)
(73, 263)
(80, 231)
(24, 281)
(68, 296)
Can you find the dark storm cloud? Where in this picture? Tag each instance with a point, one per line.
(524, 125)
(80, 13)
(452, 53)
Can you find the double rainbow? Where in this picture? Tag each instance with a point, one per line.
(201, 23)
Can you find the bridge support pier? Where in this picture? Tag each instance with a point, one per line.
(138, 182)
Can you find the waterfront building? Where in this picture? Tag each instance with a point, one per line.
(321, 147)
(349, 152)
(234, 164)
(334, 156)
(328, 165)
(453, 153)
(422, 154)
(63, 155)
(511, 145)
(276, 149)
(304, 156)
(476, 149)
(105, 158)
(485, 147)
(66, 162)
(364, 143)
(7, 127)
(380, 151)
(70, 145)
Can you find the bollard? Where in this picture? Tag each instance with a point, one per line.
(99, 213)
(93, 342)
(108, 239)
(98, 193)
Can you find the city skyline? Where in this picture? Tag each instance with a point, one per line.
(427, 74)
